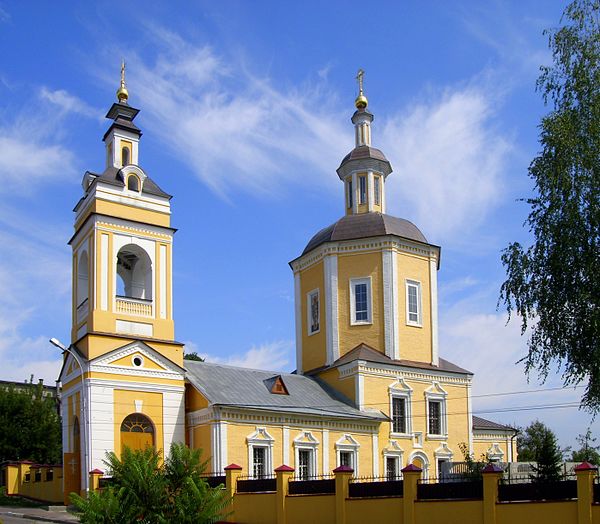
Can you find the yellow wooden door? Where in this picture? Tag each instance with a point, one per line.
(136, 440)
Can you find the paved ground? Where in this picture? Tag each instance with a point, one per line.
(16, 515)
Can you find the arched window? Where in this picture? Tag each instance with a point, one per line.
(133, 183)
(125, 156)
(134, 268)
(137, 432)
(82, 278)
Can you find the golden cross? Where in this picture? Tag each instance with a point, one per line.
(122, 72)
(359, 77)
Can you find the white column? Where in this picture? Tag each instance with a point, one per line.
(354, 193)
(470, 418)
(163, 280)
(103, 424)
(434, 310)
(331, 308)
(390, 303)
(326, 452)
(298, 307)
(360, 390)
(103, 274)
(370, 190)
(286, 445)
(375, 443)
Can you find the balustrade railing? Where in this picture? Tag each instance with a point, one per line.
(137, 307)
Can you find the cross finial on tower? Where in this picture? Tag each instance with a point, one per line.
(122, 93)
(361, 101)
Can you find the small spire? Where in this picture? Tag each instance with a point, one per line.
(122, 93)
(361, 101)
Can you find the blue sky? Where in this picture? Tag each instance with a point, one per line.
(245, 109)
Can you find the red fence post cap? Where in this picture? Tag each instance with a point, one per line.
(343, 469)
(283, 467)
(411, 467)
(233, 467)
(492, 468)
(96, 472)
(585, 466)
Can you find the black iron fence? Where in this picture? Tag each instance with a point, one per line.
(516, 489)
(256, 485)
(318, 485)
(214, 480)
(376, 487)
(432, 489)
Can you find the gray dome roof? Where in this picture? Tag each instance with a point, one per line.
(366, 225)
(361, 152)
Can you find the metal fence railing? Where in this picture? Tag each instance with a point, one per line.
(361, 487)
(317, 485)
(517, 489)
(256, 485)
(432, 489)
(214, 480)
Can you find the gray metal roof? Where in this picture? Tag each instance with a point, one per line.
(113, 176)
(250, 388)
(482, 423)
(364, 225)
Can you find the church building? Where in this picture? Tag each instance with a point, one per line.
(370, 389)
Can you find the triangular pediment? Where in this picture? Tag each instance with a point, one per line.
(436, 389)
(400, 386)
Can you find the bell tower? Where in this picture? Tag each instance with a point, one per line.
(122, 376)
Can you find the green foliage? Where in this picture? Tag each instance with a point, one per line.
(474, 467)
(587, 452)
(553, 284)
(29, 425)
(193, 356)
(147, 491)
(538, 443)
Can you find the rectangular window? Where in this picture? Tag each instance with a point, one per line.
(360, 301)
(314, 312)
(413, 302)
(398, 415)
(259, 462)
(350, 198)
(346, 459)
(391, 468)
(441, 469)
(376, 191)
(304, 463)
(362, 186)
(435, 417)
(49, 475)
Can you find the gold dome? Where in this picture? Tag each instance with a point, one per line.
(122, 93)
(361, 101)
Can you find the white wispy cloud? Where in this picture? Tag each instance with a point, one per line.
(69, 103)
(271, 356)
(448, 160)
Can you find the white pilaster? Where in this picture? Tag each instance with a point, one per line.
(434, 310)
(331, 309)
(103, 272)
(360, 391)
(163, 280)
(326, 452)
(375, 444)
(102, 424)
(286, 445)
(354, 193)
(370, 190)
(390, 303)
(298, 308)
(470, 418)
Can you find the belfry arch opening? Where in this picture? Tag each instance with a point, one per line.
(134, 273)
(137, 432)
(82, 278)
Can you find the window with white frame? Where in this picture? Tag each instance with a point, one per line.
(360, 301)
(399, 415)
(305, 446)
(347, 459)
(362, 189)
(443, 455)
(314, 312)
(413, 303)
(400, 407)
(260, 453)
(304, 469)
(377, 190)
(347, 452)
(392, 467)
(259, 461)
(434, 417)
(436, 412)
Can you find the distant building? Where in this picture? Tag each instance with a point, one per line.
(370, 390)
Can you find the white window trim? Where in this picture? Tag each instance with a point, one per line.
(309, 312)
(417, 284)
(307, 441)
(438, 394)
(347, 443)
(394, 451)
(353, 283)
(495, 453)
(400, 389)
(442, 453)
(260, 439)
(363, 201)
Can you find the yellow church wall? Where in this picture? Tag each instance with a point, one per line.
(415, 341)
(152, 407)
(202, 436)
(346, 386)
(194, 400)
(451, 512)
(257, 508)
(313, 346)
(125, 212)
(374, 510)
(360, 265)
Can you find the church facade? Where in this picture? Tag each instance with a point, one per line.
(370, 389)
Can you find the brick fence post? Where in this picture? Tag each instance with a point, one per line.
(491, 476)
(342, 481)
(411, 475)
(585, 491)
(232, 472)
(95, 475)
(283, 474)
